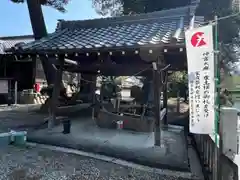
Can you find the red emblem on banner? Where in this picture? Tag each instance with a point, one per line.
(197, 39)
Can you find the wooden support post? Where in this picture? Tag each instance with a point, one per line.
(116, 104)
(178, 102)
(165, 97)
(56, 92)
(94, 88)
(78, 81)
(15, 92)
(101, 92)
(9, 92)
(156, 84)
(34, 68)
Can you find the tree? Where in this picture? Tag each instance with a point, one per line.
(178, 84)
(125, 7)
(228, 29)
(39, 27)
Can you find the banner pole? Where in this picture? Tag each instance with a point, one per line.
(218, 123)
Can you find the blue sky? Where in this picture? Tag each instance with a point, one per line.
(14, 18)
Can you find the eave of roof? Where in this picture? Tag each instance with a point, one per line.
(7, 42)
(16, 37)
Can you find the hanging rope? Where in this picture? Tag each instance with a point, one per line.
(229, 16)
(136, 74)
(125, 78)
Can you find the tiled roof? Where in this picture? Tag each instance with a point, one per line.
(155, 28)
(11, 41)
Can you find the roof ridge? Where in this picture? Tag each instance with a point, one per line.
(4, 38)
(168, 13)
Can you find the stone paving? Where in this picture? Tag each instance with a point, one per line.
(20, 117)
(131, 146)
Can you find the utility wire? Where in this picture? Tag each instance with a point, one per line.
(229, 16)
(222, 18)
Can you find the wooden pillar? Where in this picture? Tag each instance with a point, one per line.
(157, 107)
(165, 96)
(56, 92)
(94, 88)
(101, 91)
(34, 69)
(116, 104)
(178, 102)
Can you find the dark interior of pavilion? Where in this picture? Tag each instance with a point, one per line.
(20, 71)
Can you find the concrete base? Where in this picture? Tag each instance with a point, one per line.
(131, 146)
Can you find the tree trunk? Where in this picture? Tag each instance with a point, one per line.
(40, 31)
(37, 19)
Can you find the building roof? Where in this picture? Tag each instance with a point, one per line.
(151, 29)
(10, 41)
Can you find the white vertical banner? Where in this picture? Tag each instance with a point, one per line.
(201, 79)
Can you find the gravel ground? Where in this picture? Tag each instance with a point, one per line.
(32, 163)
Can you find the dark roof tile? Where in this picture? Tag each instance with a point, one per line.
(126, 31)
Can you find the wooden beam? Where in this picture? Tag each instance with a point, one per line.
(69, 61)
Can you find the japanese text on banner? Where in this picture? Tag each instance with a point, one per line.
(200, 57)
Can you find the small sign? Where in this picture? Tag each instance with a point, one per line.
(3, 86)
